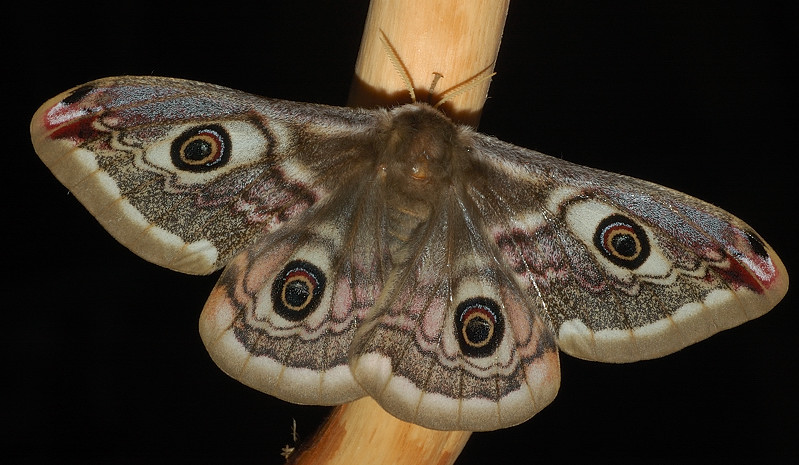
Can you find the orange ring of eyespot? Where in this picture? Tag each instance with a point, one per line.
(483, 314)
(310, 282)
(625, 230)
(214, 142)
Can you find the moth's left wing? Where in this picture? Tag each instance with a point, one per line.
(186, 174)
(626, 269)
(284, 312)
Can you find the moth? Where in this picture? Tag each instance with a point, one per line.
(395, 254)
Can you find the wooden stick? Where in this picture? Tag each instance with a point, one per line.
(458, 39)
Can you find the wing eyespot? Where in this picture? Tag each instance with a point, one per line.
(622, 241)
(479, 326)
(297, 290)
(201, 148)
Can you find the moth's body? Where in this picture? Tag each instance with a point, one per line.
(416, 151)
(395, 254)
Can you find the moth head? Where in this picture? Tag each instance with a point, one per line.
(419, 149)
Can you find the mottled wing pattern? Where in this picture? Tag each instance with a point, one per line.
(625, 269)
(186, 174)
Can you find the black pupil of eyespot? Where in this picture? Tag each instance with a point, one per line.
(478, 330)
(622, 241)
(624, 244)
(297, 292)
(198, 150)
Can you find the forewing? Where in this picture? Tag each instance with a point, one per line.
(186, 174)
(626, 269)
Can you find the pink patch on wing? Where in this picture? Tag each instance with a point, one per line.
(536, 256)
(750, 265)
(274, 200)
(73, 111)
(433, 320)
(78, 131)
(72, 121)
(343, 295)
(61, 113)
(739, 276)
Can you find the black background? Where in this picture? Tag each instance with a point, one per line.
(102, 358)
